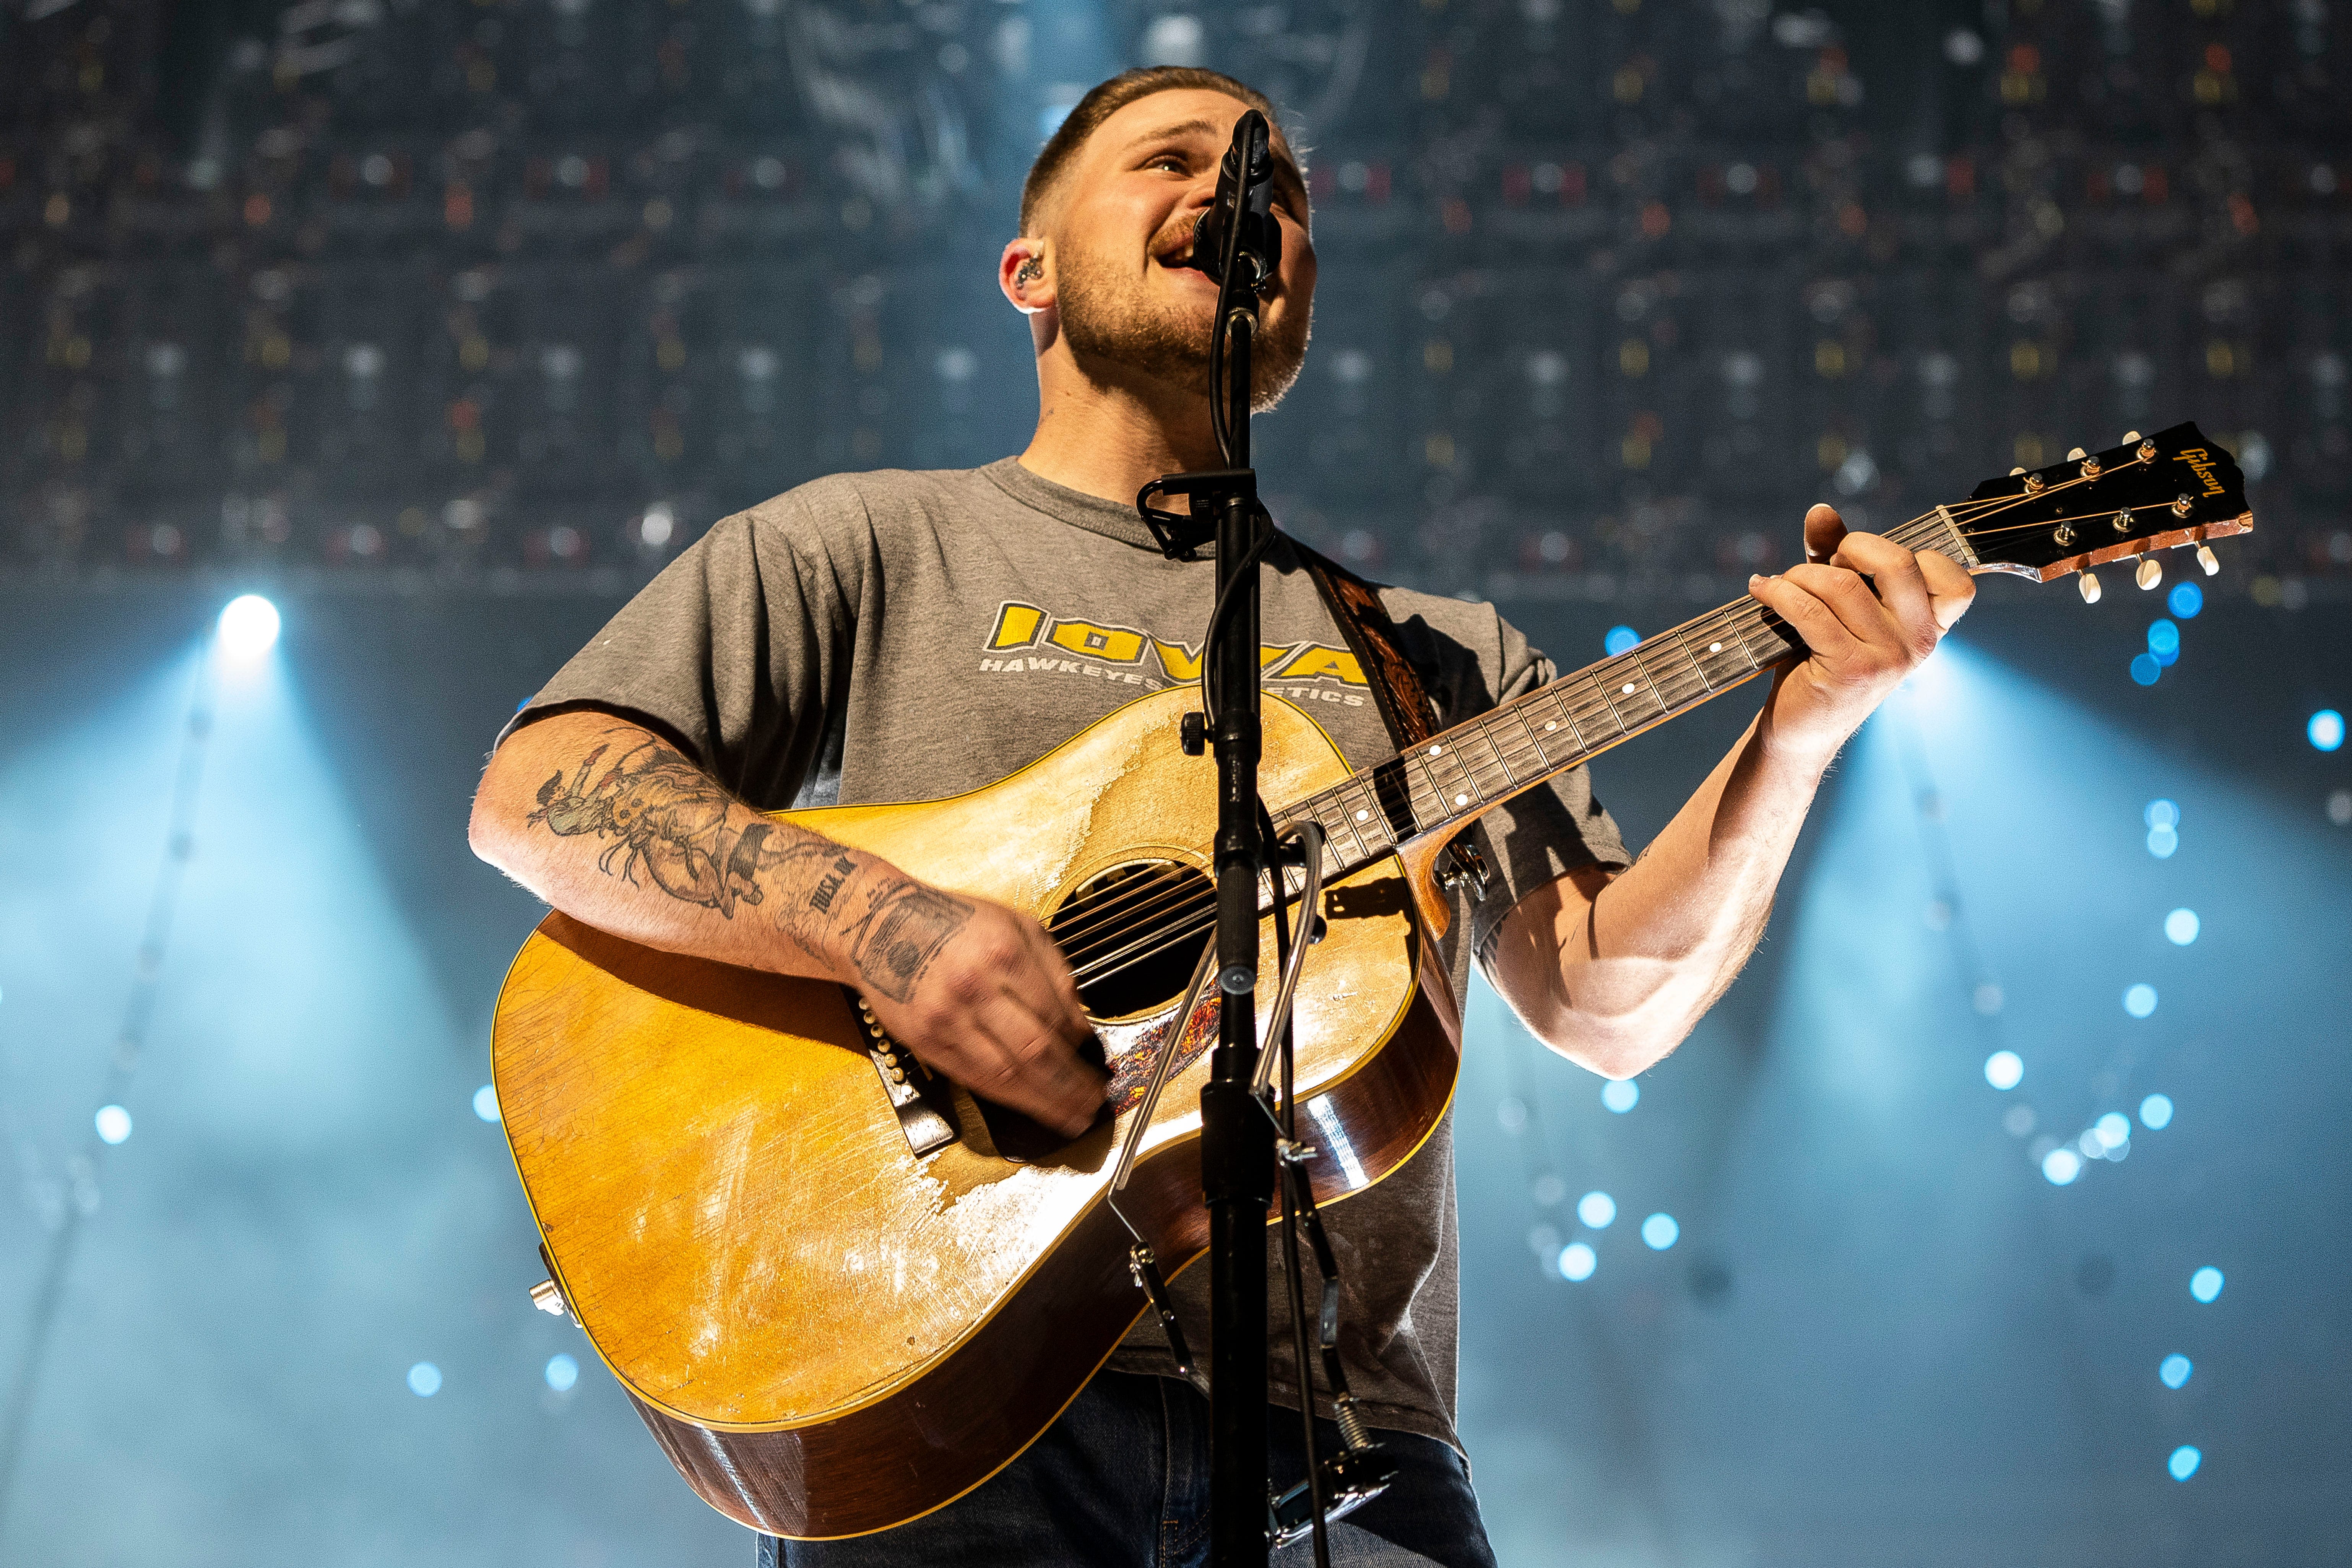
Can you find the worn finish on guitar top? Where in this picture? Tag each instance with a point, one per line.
(827, 1335)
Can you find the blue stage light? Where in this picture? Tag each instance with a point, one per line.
(2163, 641)
(113, 1124)
(1620, 639)
(2326, 729)
(2174, 1370)
(2139, 1001)
(425, 1380)
(1597, 1210)
(1621, 1095)
(1577, 1261)
(2185, 600)
(2144, 668)
(486, 1103)
(2004, 1069)
(563, 1372)
(2184, 1462)
(2156, 1112)
(2206, 1283)
(2181, 927)
(249, 626)
(2062, 1166)
(1659, 1232)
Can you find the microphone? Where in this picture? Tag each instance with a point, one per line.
(1245, 200)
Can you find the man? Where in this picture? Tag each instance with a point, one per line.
(865, 608)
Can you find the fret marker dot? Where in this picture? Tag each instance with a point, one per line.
(1715, 647)
(1462, 800)
(1363, 816)
(1437, 750)
(1629, 688)
(1551, 726)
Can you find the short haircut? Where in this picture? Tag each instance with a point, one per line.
(1107, 98)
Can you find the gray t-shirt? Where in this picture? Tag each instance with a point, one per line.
(934, 632)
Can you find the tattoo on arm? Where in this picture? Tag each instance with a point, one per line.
(698, 845)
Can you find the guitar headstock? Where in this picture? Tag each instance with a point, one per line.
(2158, 492)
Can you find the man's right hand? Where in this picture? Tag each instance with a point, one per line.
(606, 822)
(978, 991)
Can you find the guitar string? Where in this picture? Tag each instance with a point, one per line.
(1148, 894)
(1145, 897)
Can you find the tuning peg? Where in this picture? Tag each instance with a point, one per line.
(2074, 454)
(2130, 436)
(2150, 573)
(2089, 583)
(2207, 560)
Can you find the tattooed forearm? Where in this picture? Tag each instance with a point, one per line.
(668, 820)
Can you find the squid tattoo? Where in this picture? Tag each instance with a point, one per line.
(664, 817)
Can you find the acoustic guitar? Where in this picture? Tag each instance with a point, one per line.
(841, 1291)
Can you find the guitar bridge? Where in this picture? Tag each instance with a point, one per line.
(915, 1093)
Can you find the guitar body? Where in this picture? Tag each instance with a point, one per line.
(828, 1334)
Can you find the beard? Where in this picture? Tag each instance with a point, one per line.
(1109, 320)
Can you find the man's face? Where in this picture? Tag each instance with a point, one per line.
(1120, 223)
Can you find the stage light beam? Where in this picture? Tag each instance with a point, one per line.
(248, 628)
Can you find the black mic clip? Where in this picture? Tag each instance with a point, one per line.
(1244, 191)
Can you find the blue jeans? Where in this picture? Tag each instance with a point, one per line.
(1121, 1480)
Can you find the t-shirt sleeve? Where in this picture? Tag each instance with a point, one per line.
(740, 648)
(1540, 836)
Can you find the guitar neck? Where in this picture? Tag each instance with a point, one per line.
(1451, 779)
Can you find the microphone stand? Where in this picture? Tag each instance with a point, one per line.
(1237, 1139)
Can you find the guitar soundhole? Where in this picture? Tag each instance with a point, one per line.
(1133, 934)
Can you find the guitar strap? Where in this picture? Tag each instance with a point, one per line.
(1396, 686)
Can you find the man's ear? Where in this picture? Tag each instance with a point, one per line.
(1024, 278)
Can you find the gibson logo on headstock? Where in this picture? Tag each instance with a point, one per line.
(2201, 463)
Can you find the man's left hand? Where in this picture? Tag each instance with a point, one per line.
(1866, 635)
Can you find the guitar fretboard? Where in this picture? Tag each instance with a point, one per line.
(1480, 763)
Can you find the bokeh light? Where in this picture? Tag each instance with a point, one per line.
(1598, 1211)
(2156, 1112)
(2062, 1166)
(2174, 1370)
(1659, 1232)
(1577, 1261)
(113, 1124)
(2114, 1129)
(2185, 600)
(2180, 927)
(1621, 1095)
(2163, 641)
(249, 626)
(563, 1372)
(2139, 1000)
(2004, 1069)
(2184, 1462)
(425, 1380)
(486, 1103)
(1620, 639)
(2163, 820)
(2206, 1284)
(2145, 669)
(2326, 729)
